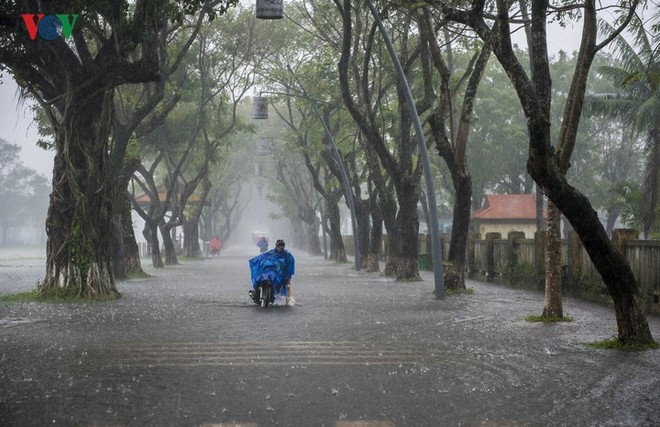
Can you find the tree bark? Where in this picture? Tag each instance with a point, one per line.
(553, 281)
(151, 234)
(388, 209)
(168, 243)
(79, 246)
(407, 268)
(126, 253)
(313, 241)
(191, 246)
(376, 237)
(337, 250)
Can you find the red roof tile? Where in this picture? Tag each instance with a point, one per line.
(508, 206)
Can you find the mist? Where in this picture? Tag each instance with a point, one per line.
(17, 126)
(258, 217)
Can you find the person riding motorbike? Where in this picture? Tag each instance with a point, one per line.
(263, 244)
(276, 265)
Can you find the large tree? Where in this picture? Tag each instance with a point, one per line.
(103, 45)
(548, 166)
(376, 101)
(451, 122)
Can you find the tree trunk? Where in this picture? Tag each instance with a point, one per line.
(375, 242)
(407, 268)
(615, 271)
(403, 168)
(126, 253)
(388, 209)
(461, 225)
(191, 237)
(376, 237)
(337, 249)
(612, 215)
(191, 223)
(78, 257)
(553, 284)
(151, 234)
(362, 218)
(130, 249)
(540, 224)
(313, 241)
(168, 245)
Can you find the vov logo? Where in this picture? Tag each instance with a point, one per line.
(49, 27)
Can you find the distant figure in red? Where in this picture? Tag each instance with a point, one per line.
(263, 244)
(214, 245)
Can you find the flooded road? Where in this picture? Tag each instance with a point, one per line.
(187, 347)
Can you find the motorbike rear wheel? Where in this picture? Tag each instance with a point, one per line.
(265, 294)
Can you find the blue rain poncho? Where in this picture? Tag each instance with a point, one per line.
(278, 267)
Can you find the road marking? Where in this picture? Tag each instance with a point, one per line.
(230, 425)
(342, 423)
(190, 354)
(365, 424)
(359, 423)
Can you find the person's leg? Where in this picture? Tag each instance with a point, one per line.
(288, 291)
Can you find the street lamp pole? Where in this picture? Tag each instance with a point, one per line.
(436, 246)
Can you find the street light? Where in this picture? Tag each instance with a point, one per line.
(436, 246)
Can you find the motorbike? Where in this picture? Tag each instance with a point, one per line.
(264, 295)
(267, 279)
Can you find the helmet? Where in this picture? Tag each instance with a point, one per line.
(280, 242)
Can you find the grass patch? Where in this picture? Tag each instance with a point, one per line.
(54, 297)
(19, 297)
(546, 319)
(136, 275)
(451, 292)
(467, 291)
(614, 344)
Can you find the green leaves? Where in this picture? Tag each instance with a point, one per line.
(177, 9)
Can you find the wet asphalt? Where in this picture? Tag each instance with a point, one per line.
(186, 347)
